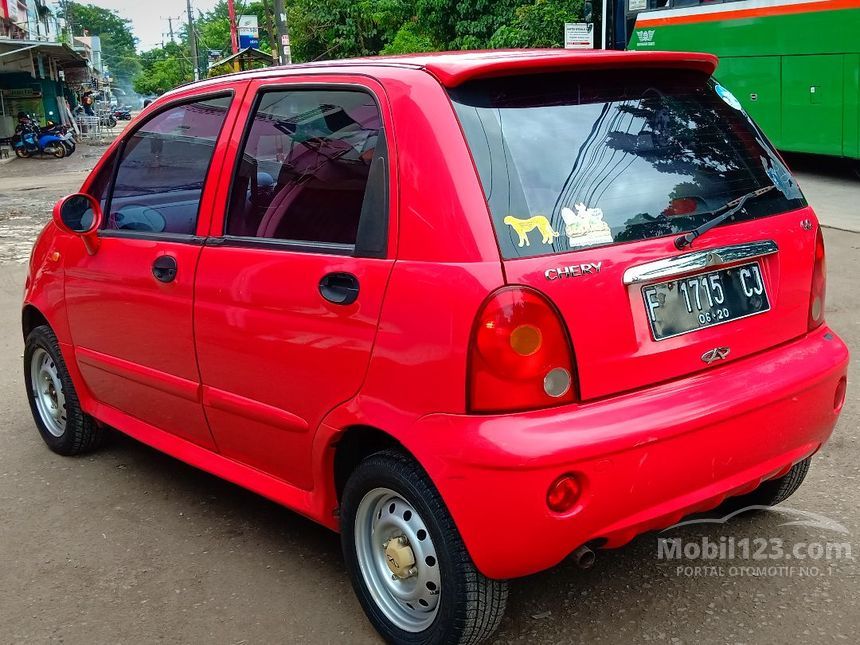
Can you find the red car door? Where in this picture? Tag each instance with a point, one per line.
(290, 284)
(130, 304)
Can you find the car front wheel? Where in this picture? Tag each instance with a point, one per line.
(53, 401)
(409, 566)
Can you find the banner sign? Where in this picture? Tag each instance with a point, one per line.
(579, 35)
(249, 34)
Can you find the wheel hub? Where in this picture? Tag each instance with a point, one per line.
(400, 557)
(48, 392)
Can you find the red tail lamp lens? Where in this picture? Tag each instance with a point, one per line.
(520, 357)
(563, 494)
(819, 284)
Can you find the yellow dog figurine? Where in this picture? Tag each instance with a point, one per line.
(524, 226)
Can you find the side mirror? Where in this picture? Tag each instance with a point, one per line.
(81, 215)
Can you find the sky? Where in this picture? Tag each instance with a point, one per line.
(149, 17)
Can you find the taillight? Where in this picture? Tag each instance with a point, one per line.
(519, 357)
(819, 284)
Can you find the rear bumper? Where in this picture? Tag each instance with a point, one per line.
(646, 458)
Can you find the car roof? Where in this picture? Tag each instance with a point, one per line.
(455, 68)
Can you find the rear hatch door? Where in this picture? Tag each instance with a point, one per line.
(592, 176)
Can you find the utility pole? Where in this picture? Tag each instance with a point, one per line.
(192, 42)
(170, 28)
(285, 56)
(234, 36)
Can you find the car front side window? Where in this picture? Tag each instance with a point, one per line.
(163, 167)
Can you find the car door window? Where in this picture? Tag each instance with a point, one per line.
(162, 169)
(312, 170)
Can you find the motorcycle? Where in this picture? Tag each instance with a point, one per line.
(123, 113)
(64, 133)
(30, 141)
(107, 119)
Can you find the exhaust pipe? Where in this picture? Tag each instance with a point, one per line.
(584, 557)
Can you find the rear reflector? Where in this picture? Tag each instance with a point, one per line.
(563, 494)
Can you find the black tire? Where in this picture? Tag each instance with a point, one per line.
(81, 433)
(471, 605)
(22, 153)
(58, 151)
(774, 491)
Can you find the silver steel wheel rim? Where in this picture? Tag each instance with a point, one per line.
(48, 392)
(410, 603)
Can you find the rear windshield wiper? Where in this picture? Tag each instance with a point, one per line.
(733, 207)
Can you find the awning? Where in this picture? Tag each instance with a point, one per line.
(64, 55)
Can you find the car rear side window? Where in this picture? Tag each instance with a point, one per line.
(163, 167)
(307, 160)
(576, 160)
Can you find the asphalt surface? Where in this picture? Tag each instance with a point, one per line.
(130, 546)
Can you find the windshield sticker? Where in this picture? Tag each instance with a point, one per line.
(524, 226)
(585, 226)
(728, 97)
(780, 176)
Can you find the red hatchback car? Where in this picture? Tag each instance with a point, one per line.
(476, 311)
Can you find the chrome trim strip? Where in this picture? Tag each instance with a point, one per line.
(689, 262)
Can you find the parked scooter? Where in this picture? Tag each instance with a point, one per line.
(64, 133)
(29, 140)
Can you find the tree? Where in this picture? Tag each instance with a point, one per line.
(118, 42)
(324, 29)
(538, 24)
(162, 69)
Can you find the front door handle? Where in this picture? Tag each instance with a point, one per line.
(339, 288)
(164, 268)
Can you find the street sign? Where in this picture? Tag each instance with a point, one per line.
(579, 35)
(249, 34)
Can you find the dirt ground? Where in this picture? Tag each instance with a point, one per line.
(130, 546)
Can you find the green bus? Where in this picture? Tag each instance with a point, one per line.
(793, 64)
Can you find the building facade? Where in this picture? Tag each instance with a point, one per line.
(41, 73)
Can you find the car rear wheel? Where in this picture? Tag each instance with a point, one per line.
(53, 400)
(772, 491)
(409, 566)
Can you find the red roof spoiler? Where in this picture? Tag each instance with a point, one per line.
(455, 69)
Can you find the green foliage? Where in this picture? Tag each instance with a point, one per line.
(327, 29)
(538, 24)
(408, 40)
(324, 29)
(118, 43)
(163, 68)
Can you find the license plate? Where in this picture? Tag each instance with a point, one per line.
(680, 306)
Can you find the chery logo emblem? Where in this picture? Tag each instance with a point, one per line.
(715, 354)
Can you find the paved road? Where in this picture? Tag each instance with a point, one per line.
(130, 546)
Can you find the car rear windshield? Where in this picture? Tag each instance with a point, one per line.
(577, 160)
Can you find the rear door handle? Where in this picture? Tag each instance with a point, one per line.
(164, 268)
(339, 288)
